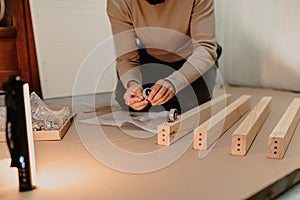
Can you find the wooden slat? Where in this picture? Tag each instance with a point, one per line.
(283, 132)
(245, 134)
(170, 132)
(208, 132)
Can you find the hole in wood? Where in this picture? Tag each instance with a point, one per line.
(275, 152)
(239, 144)
(275, 147)
(239, 139)
(163, 140)
(200, 139)
(163, 130)
(200, 144)
(163, 135)
(238, 149)
(275, 141)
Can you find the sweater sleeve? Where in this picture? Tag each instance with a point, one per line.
(125, 41)
(202, 30)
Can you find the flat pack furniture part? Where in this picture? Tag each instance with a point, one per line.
(244, 135)
(169, 132)
(211, 130)
(283, 132)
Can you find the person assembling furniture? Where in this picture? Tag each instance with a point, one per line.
(168, 46)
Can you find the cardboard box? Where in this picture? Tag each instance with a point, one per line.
(54, 135)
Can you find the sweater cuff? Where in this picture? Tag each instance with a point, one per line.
(178, 81)
(133, 75)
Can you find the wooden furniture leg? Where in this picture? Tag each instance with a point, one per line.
(170, 132)
(245, 134)
(208, 132)
(283, 132)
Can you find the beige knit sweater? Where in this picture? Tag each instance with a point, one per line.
(170, 31)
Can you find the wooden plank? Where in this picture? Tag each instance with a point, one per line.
(245, 134)
(283, 132)
(208, 132)
(170, 132)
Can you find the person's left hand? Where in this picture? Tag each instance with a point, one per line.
(133, 97)
(161, 92)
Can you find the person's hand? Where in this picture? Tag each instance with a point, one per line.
(161, 92)
(134, 98)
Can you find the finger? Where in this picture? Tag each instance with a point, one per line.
(138, 93)
(154, 89)
(134, 100)
(137, 97)
(168, 97)
(131, 99)
(162, 100)
(127, 98)
(135, 88)
(139, 105)
(160, 96)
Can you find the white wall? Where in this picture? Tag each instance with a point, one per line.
(65, 32)
(259, 38)
(261, 42)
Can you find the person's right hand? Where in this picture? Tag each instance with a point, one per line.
(134, 98)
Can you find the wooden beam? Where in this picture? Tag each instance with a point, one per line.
(245, 134)
(170, 132)
(283, 132)
(208, 132)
